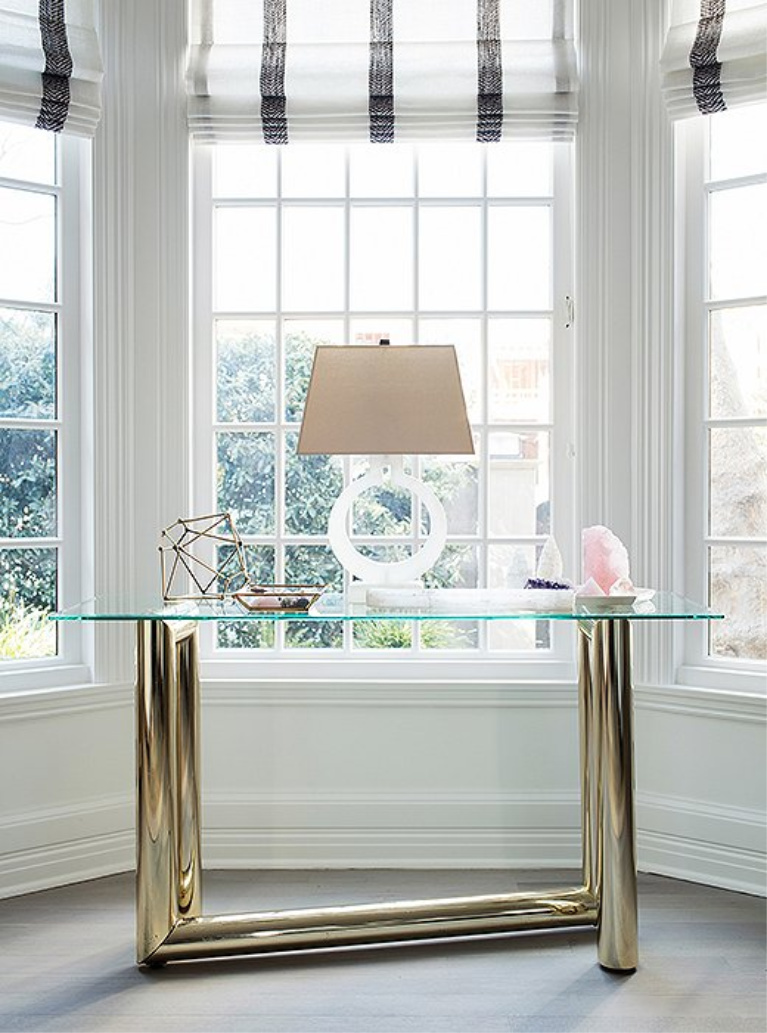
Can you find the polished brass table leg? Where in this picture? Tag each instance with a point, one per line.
(170, 925)
(607, 787)
(168, 863)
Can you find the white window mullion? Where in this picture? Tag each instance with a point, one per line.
(344, 320)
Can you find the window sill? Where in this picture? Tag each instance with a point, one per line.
(356, 670)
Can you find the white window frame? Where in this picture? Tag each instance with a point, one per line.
(71, 664)
(553, 663)
(692, 187)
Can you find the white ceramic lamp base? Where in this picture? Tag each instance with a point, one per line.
(378, 572)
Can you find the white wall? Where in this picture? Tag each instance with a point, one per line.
(342, 773)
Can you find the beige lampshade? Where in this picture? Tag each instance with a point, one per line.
(385, 400)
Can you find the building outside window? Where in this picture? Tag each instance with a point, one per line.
(306, 245)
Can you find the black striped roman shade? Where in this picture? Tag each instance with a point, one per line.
(715, 55)
(50, 65)
(381, 70)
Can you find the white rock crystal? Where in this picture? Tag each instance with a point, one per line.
(550, 561)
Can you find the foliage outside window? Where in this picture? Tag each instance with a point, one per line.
(325, 244)
(736, 382)
(30, 416)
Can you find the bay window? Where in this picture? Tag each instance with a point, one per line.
(462, 244)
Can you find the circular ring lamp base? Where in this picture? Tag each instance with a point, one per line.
(400, 573)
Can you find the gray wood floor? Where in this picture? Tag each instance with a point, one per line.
(66, 963)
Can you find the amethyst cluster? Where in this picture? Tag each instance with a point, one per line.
(542, 582)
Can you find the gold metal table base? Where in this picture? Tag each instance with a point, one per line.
(170, 924)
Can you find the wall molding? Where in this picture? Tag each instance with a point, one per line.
(394, 693)
(714, 844)
(700, 702)
(64, 700)
(384, 830)
(57, 846)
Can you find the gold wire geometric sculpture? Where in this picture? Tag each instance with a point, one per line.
(208, 579)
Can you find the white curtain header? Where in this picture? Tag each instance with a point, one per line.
(381, 70)
(50, 65)
(715, 55)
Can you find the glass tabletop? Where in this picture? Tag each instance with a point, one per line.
(410, 604)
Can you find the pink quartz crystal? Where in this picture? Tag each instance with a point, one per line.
(605, 558)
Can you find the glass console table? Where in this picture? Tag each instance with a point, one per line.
(170, 921)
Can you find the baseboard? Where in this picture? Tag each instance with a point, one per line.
(705, 843)
(59, 846)
(434, 830)
(686, 839)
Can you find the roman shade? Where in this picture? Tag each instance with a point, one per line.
(381, 70)
(715, 56)
(50, 65)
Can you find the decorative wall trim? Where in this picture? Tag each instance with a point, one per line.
(709, 843)
(651, 332)
(698, 702)
(278, 692)
(70, 699)
(434, 830)
(391, 848)
(706, 863)
(57, 846)
(603, 268)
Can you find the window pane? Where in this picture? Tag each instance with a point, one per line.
(509, 566)
(738, 588)
(27, 364)
(738, 255)
(313, 170)
(518, 484)
(381, 259)
(456, 484)
(738, 362)
(246, 371)
(449, 170)
(372, 331)
(249, 634)
(28, 593)
(244, 170)
(383, 634)
(312, 485)
(28, 254)
(301, 337)
(381, 171)
(519, 364)
(27, 154)
(27, 483)
(466, 335)
(383, 509)
(245, 479)
(520, 169)
(738, 485)
(450, 258)
(313, 565)
(313, 259)
(457, 567)
(244, 276)
(739, 142)
(519, 258)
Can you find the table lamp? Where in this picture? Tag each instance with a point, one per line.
(385, 402)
